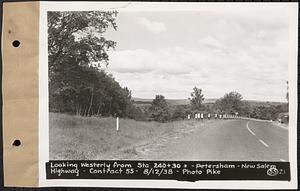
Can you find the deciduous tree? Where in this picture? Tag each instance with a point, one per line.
(196, 99)
(159, 110)
(77, 52)
(230, 103)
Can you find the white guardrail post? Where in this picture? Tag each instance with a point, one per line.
(117, 124)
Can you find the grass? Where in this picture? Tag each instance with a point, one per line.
(82, 138)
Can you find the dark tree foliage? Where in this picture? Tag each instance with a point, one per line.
(180, 112)
(245, 109)
(76, 39)
(233, 102)
(137, 113)
(268, 112)
(159, 110)
(230, 103)
(196, 99)
(77, 50)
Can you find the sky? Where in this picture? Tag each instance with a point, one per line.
(170, 52)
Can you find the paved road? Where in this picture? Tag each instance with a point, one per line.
(233, 140)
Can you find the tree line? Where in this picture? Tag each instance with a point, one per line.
(231, 103)
(77, 56)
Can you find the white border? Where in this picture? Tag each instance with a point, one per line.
(147, 6)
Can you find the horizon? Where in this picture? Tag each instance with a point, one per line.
(208, 99)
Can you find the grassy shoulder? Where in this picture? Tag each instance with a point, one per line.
(76, 137)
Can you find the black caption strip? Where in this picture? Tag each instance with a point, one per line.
(169, 170)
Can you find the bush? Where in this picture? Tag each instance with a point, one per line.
(159, 110)
(180, 112)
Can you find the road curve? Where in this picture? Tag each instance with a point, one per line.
(233, 140)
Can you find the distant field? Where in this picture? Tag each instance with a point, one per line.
(75, 137)
(141, 101)
(169, 101)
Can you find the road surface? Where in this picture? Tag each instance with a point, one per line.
(217, 140)
(222, 140)
(236, 140)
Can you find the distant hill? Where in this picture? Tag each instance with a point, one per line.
(264, 103)
(170, 101)
(143, 101)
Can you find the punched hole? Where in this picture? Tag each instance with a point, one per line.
(16, 43)
(16, 143)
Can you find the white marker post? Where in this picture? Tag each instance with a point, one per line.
(201, 115)
(117, 123)
(189, 117)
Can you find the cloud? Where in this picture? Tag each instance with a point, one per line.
(210, 42)
(174, 71)
(153, 26)
(160, 62)
(219, 52)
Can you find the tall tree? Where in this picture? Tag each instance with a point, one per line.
(196, 99)
(159, 109)
(230, 103)
(77, 51)
(77, 37)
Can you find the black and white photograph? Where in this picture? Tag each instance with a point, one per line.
(169, 85)
(168, 95)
